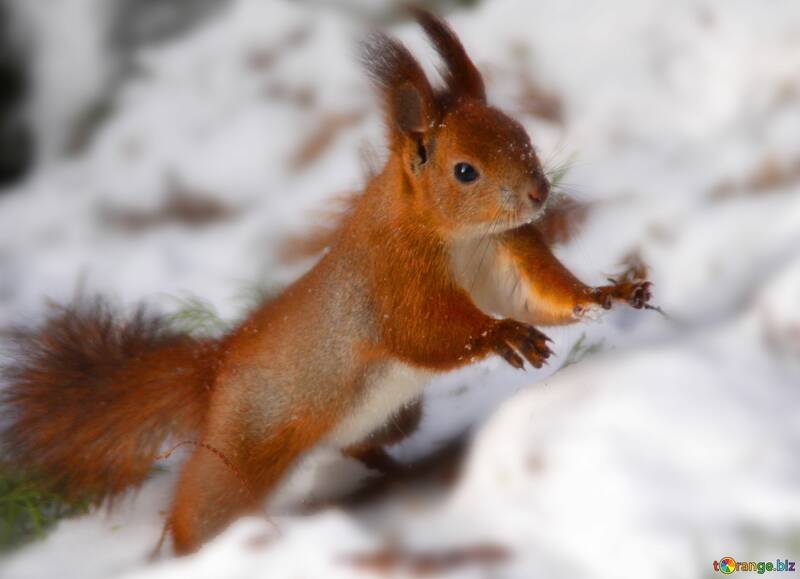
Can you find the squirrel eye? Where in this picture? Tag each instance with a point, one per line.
(465, 172)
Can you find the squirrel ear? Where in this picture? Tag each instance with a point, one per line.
(460, 73)
(408, 98)
(408, 109)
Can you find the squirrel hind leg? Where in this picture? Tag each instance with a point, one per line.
(230, 474)
(372, 452)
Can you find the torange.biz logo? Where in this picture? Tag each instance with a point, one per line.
(728, 565)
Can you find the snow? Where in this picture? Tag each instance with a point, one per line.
(69, 69)
(671, 447)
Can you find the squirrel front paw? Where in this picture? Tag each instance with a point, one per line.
(510, 338)
(630, 287)
(635, 293)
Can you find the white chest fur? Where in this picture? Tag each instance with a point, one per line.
(384, 394)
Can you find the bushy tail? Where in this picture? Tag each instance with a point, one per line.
(91, 396)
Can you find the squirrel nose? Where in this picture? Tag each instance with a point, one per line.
(540, 191)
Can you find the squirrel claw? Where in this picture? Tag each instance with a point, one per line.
(635, 293)
(641, 295)
(515, 341)
(510, 356)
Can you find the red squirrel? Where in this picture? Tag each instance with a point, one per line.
(436, 265)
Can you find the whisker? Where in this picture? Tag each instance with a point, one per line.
(485, 235)
(487, 238)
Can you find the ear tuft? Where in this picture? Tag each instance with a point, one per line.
(461, 74)
(408, 97)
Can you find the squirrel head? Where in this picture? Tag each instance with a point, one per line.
(469, 163)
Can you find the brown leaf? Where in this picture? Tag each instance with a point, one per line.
(321, 139)
(562, 220)
(390, 559)
(770, 175)
(181, 205)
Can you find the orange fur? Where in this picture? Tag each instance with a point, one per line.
(93, 397)
(557, 291)
(561, 221)
(211, 494)
(558, 297)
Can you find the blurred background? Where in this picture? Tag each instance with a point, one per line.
(172, 150)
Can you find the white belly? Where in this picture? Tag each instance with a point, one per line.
(384, 395)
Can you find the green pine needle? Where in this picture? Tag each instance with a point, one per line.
(198, 317)
(27, 509)
(580, 350)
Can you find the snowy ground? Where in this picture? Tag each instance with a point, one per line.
(674, 445)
